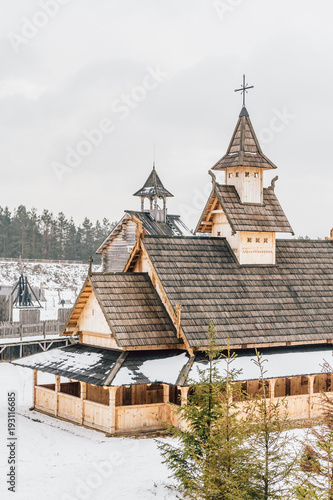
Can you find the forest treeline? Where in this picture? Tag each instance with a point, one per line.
(31, 235)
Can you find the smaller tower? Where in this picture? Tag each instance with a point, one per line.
(154, 191)
(244, 162)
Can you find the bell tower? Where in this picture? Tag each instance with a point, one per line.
(156, 194)
(242, 210)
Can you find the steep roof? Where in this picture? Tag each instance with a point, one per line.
(268, 216)
(291, 301)
(132, 308)
(153, 186)
(173, 226)
(244, 148)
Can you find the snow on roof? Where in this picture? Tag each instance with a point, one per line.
(283, 364)
(156, 370)
(78, 362)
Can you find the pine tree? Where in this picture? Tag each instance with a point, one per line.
(272, 451)
(211, 460)
(317, 457)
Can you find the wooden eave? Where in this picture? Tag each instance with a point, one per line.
(78, 307)
(87, 289)
(115, 231)
(206, 220)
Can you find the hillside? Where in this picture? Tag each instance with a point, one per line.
(59, 281)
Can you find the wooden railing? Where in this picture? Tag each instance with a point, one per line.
(45, 400)
(96, 415)
(69, 407)
(141, 417)
(144, 417)
(19, 330)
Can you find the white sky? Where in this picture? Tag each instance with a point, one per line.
(66, 76)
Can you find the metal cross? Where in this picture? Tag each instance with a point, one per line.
(244, 89)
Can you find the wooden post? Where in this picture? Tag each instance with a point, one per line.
(166, 401)
(112, 404)
(184, 394)
(166, 393)
(271, 387)
(311, 382)
(57, 390)
(34, 384)
(83, 396)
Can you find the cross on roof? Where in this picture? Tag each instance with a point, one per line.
(244, 89)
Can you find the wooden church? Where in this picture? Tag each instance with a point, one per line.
(140, 325)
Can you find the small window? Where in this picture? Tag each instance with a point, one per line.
(265, 240)
(256, 174)
(247, 174)
(257, 240)
(237, 174)
(230, 175)
(249, 240)
(218, 233)
(129, 248)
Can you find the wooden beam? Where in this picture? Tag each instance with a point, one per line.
(57, 390)
(34, 384)
(113, 372)
(185, 371)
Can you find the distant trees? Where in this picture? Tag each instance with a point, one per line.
(31, 235)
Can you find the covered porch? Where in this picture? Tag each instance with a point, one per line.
(114, 410)
(135, 391)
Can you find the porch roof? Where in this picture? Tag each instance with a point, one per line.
(109, 367)
(282, 362)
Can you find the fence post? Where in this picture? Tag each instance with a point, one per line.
(21, 330)
(44, 330)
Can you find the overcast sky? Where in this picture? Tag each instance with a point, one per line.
(163, 72)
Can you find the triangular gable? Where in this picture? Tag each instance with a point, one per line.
(79, 319)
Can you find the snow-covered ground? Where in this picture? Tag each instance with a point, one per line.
(62, 461)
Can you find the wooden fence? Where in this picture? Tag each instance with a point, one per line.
(19, 330)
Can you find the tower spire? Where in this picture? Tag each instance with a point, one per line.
(154, 191)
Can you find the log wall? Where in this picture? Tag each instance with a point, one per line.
(116, 254)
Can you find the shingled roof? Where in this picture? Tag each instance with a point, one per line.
(173, 226)
(290, 302)
(153, 186)
(268, 216)
(132, 309)
(244, 148)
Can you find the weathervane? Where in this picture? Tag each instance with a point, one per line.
(244, 89)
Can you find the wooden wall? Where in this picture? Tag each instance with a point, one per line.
(92, 318)
(139, 394)
(97, 394)
(116, 254)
